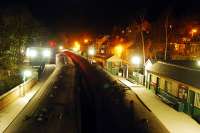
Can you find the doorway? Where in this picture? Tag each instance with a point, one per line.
(191, 102)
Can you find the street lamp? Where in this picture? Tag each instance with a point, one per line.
(91, 52)
(76, 47)
(61, 47)
(198, 62)
(86, 40)
(136, 61)
(193, 31)
(26, 74)
(118, 50)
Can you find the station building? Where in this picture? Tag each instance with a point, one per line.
(177, 85)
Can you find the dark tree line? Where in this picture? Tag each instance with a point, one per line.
(18, 29)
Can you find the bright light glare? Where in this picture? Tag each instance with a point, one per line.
(118, 50)
(135, 60)
(60, 47)
(86, 41)
(194, 30)
(27, 73)
(76, 43)
(46, 53)
(31, 53)
(198, 62)
(91, 51)
(22, 51)
(76, 46)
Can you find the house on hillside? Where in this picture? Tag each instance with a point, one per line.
(185, 50)
(177, 85)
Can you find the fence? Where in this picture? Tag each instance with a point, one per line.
(136, 77)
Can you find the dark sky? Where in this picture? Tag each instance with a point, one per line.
(99, 15)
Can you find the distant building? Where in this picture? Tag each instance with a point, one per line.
(185, 50)
(113, 65)
(195, 49)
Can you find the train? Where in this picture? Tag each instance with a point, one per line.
(37, 57)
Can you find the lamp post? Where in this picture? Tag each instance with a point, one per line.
(136, 61)
(193, 32)
(26, 74)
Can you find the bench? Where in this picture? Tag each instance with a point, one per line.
(167, 101)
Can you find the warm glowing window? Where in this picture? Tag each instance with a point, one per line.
(197, 100)
(176, 47)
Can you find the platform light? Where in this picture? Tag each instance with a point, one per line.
(86, 40)
(135, 60)
(61, 47)
(193, 31)
(31, 53)
(27, 73)
(198, 62)
(46, 53)
(91, 51)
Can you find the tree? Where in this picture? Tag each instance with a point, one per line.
(18, 29)
(138, 32)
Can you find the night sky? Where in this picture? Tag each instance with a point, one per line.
(99, 15)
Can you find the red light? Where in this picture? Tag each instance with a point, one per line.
(52, 43)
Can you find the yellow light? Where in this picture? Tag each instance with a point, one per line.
(194, 30)
(91, 51)
(86, 41)
(118, 50)
(76, 46)
(176, 47)
(198, 62)
(76, 43)
(60, 47)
